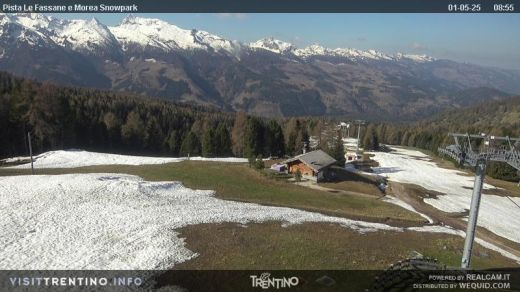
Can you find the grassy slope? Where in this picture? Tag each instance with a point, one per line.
(354, 182)
(320, 246)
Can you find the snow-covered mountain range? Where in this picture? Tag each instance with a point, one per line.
(268, 77)
(91, 36)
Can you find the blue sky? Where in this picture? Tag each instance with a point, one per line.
(485, 39)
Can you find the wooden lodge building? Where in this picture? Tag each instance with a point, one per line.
(315, 165)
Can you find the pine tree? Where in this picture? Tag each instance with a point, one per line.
(253, 137)
(335, 148)
(237, 134)
(223, 141)
(113, 126)
(173, 143)
(371, 140)
(154, 135)
(190, 145)
(338, 152)
(133, 131)
(293, 129)
(275, 139)
(209, 148)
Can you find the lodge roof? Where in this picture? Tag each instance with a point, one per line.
(316, 159)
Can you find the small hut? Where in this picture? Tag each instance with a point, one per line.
(315, 165)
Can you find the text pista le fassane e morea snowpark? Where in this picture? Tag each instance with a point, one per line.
(13, 8)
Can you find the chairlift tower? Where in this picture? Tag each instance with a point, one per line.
(462, 152)
(359, 123)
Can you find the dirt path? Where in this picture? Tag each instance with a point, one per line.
(412, 196)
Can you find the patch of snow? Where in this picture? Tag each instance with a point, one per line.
(16, 159)
(80, 158)
(115, 221)
(151, 60)
(497, 214)
(401, 203)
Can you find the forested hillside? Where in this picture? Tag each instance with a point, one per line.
(64, 117)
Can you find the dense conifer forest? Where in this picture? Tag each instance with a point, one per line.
(64, 117)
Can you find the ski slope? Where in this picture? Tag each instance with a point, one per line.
(497, 214)
(117, 221)
(79, 158)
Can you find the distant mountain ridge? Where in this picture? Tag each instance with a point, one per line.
(268, 77)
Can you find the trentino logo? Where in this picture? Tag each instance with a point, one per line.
(265, 281)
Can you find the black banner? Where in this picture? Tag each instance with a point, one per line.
(262, 6)
(261, 280)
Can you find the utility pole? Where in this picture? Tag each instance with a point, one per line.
(30, 152)
(463, 153)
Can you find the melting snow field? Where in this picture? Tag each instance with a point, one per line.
(79, 158)
(497, 214)
(117, 221)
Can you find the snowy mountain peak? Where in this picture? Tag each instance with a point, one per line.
(90, 35)
(33, 20)
(312, 50)
(417, 58)
(156, 33)
(130, 18)
(93, 37)
(82, 35)
(136, 20)
(273, 45)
